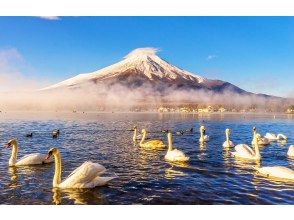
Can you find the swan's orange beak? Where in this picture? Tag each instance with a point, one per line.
(7, 145)
(48, 155)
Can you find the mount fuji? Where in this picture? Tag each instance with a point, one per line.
(142, 67)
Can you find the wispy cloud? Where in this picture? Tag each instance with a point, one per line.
(211, 57)
(50, 18)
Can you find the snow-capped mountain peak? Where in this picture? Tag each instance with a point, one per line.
(141, 61)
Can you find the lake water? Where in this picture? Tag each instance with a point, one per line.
(212, 176)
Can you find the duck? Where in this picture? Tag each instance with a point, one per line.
(276, 172)
(152, 144)
(180, 132)
(243, 151)
(55, 133)
(29, 134)
(29, 159)
(203, 137)
(227, 142)
(263, 140)
(189, 130)
(174, 155)
(88, 175)
(290, 152)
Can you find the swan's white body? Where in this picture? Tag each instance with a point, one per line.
(152, 144)
(262, 140)
(243, 151)
(278, 172)
(174, 155)
(273, 137)
(290, 152)
(29, 159)
(227, 142)
(203, 137)
(85, 176)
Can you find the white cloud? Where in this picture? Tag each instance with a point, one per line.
(211, 57)
(50, 18)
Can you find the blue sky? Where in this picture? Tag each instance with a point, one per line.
(254, 53)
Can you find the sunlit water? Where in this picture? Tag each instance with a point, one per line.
(212, 176)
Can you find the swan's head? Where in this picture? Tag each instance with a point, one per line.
(254, 129)
(202, 129)
(53, 151)
(169, 133)
(228, 131)
(144, 131)
(10, 143)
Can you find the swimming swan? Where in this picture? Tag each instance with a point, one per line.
(85, 176)
(203, 137)
(152, 144)
(245, 152)
(174, 155)
(277, 172)
(227, 142)
(262, 141)
(29, 159)
(273, 137)
(290, 152)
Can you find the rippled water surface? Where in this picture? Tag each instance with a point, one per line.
(212, 176)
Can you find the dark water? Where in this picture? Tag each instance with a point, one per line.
(210, 177)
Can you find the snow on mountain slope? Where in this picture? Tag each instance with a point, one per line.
(143, 66)
(144, 60)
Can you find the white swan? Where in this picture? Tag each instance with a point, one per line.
(203, 137)
(290, 152)
(273, 137)
(262, 141)
(152, 144)
(85, 176)
(245, 152)
(174, 155)
(227, 142)
(277, 172)
(29, 159)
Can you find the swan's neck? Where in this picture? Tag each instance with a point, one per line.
(143, 138)
(228, 138)
(13, 157)
(256, 149)
(57, 174)
(170, 142)
(201, 136)
(135, 134)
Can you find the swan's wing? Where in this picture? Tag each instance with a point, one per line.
(84, 174)
(31, 159)
(277, 172)
(270, 136)
(291, 151)
(176, 155)
(244, 150)
(98, 181)
(206, 138)
(281, 136)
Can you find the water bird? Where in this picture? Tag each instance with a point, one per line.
(290, 152)
(30, 159)
(189, 130)
(85, 176)
(245, 152)
(273, 137)
(227, 142)
(262, 141)
(180, 132)
(174, 155)
(150, 144)
(164, 131)
(29, 134)
(203, 137)
(55, 133)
